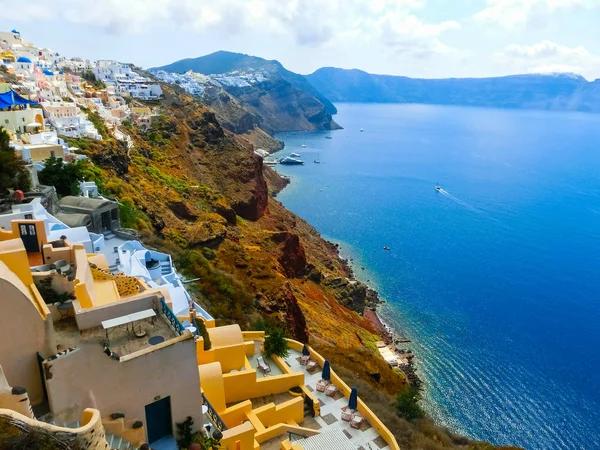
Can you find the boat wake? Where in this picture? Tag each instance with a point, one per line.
(459, 201)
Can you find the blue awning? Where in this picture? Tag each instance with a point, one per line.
(11, 98)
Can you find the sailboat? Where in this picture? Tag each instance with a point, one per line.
(318, 160)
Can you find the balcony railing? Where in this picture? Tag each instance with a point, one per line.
(214, 416)
(172, 318)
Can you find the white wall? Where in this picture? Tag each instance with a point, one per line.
(88, 377)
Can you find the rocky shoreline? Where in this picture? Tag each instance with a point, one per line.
(372, 299)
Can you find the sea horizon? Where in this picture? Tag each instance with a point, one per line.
(504, 386)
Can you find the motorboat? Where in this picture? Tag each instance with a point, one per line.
(295, 155)
(289, 161)
(303, 146)
(362, 129)
(386, 248)
(328, 137)
(270, 162)
(437, 187)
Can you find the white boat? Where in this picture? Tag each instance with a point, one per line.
(270, 162)
(362, 129)
(318, 160)
(303, 146)
(289, 161)
(295, 155)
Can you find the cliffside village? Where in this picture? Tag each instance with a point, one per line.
(101, 344)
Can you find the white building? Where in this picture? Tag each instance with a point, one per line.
(139, 90)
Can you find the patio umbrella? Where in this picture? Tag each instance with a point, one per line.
(353, 401)
(326, 375)
(305, 351)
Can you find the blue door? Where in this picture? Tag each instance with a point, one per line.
(158, 419)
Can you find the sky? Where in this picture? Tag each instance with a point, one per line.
(417, 38)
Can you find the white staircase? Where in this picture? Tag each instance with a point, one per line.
(114, 442)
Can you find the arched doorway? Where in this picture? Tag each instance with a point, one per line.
(39, 119)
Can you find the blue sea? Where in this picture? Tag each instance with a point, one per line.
(496, 279)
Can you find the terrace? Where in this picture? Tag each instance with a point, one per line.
(123, 339)
(364, 437)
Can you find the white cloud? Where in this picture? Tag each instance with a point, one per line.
(309, 22)
(516, 13)
(547, 56)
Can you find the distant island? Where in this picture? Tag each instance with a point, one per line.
(559, 92)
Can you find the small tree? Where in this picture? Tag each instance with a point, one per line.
(276, 344)
(13, 173)
(407, 404)
(204, 333)
(185, 437)
(64, 177)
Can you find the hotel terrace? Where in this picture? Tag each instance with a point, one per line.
(100, 347)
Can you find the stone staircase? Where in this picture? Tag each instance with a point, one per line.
(114, 442)
(108, 235)
(165, 267)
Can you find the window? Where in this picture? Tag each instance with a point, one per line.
(28, 216)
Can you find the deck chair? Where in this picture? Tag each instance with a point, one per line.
(311, 365)
(331, 390)
(347, 414)
(322, 385)
(356, 420)
(263, 366)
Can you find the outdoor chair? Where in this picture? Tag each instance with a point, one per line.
(356, 420)
(331, 390)
(263, 366)
(311, 365)
(347, 414)
(322, 385)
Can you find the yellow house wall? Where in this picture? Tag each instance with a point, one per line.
(212, 384)
(13, 254)
(39, 154)
(236, 414)
(244, 385)
(84, 281)
(51, 254)
(271, 414)
(22, 335)
(244, 434)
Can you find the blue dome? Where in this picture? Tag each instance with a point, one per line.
(15, 31)
(60, 72)
(48, 72)
(23, 59)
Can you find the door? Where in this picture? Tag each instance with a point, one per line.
(29, 237)
(158, 419)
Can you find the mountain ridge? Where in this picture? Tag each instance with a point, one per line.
(561, 92)
(275, 98)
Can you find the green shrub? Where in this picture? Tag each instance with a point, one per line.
(276, 344)
(13, 173)
(64, 177)
(407, 404)
(209, 253)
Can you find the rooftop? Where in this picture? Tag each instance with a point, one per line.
(123, 339)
